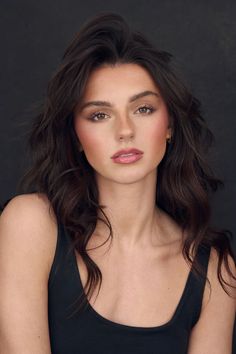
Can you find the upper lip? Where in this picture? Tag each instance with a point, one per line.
(127, 151)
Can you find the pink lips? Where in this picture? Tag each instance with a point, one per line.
(127, 151)
(127, 156)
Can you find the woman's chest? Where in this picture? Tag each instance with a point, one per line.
(138, 291)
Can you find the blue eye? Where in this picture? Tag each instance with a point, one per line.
(151, 109)
(94, 117)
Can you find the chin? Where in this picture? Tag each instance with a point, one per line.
(127, 177)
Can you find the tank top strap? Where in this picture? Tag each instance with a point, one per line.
(195, 288)
(63, 256)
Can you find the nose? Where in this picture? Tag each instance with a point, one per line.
(125, 129)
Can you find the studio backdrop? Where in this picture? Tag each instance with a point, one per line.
(200, 35)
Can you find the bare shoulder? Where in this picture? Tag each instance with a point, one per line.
(214, 328)
(28, 233)
(28, 222)
(215, 288)
(213, 276)
(37, 201)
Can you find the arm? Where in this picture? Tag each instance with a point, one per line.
(27, 246)
(213, 333)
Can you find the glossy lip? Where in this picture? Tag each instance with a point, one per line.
(127, 159)
(127, 151)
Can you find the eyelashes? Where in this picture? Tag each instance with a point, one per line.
(94, 117)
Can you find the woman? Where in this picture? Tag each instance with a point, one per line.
(118, 150)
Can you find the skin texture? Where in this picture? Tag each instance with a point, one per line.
(126, 124)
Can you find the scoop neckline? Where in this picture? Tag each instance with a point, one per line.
(106, 321)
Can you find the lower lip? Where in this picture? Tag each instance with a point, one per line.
(127, 159)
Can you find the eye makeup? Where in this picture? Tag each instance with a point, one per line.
(148, 107)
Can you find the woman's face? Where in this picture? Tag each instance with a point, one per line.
(119, 120)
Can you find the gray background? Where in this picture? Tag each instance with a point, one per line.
(200, 34)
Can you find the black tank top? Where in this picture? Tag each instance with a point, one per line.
(87, 332)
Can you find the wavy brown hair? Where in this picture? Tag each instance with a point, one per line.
(59, 170)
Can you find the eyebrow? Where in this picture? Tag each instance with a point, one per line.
(108, 104)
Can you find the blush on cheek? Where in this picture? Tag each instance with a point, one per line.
(159, 131)
(92, 143)
(83, 135)
(157, 140)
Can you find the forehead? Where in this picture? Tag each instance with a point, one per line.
(108, 79)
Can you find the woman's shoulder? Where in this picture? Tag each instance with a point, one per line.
(28, 235)
(35, 200)
(29, 224)
(24, 207)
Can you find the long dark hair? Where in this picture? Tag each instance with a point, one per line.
(62, 172)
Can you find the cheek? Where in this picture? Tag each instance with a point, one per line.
(90, 140)
(156, 138)
(158, 132)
